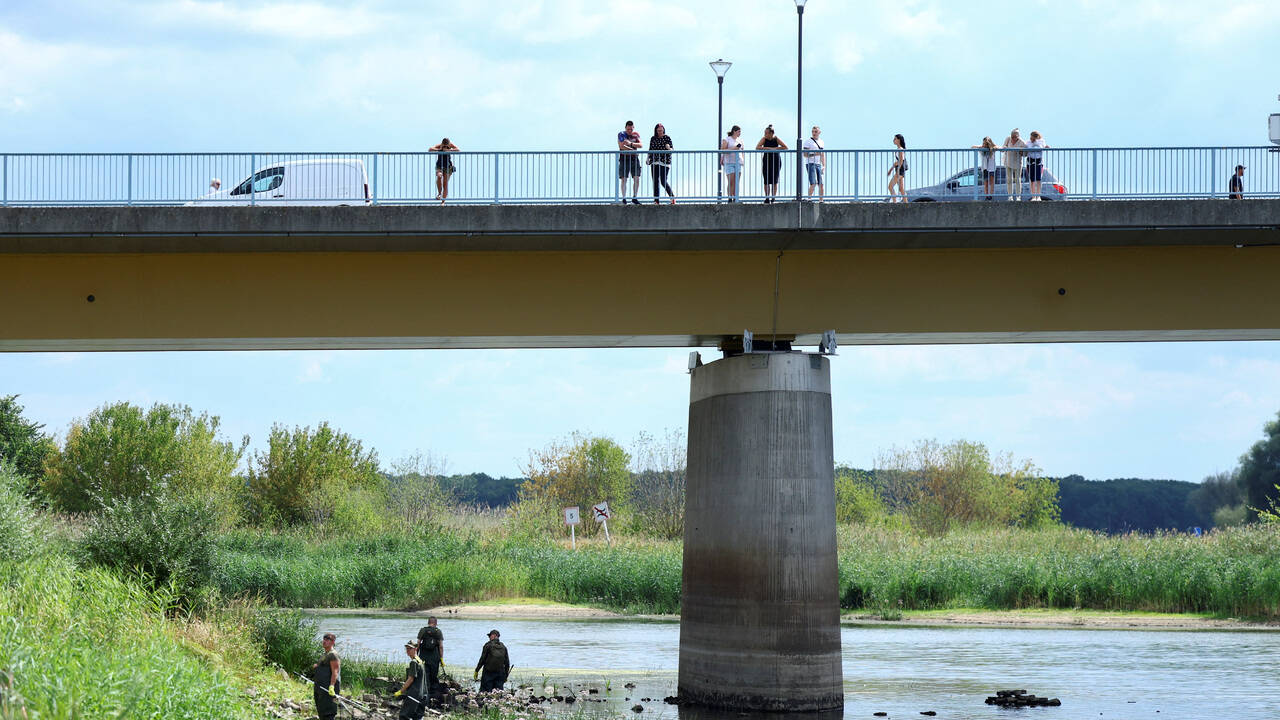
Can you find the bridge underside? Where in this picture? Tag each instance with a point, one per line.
(934, 280)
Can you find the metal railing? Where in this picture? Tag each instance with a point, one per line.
(390, 178)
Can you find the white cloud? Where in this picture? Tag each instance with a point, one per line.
(302, 21)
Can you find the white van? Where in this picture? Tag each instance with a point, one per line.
(330, 181)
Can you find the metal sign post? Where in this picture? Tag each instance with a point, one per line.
(601, 514)
(571, 519)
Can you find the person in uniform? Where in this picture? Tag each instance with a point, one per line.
(414, 703)
(327, 675)
(431, 652)
(495, 662)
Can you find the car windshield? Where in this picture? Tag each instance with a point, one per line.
(262, 181)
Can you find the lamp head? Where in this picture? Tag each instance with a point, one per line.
(720, 67)
(800, 4)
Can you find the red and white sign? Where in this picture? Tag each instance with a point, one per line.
(600, 512)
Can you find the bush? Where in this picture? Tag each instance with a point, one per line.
(169, 539)
(121, 451)
(856, 500)
(20, 537)
(23, 444)
(315, 476)
(287, 637)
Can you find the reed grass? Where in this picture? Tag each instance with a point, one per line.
(1230, 573)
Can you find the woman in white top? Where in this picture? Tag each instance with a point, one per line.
(1035, 162)
(987, 170)
(899, 169)
(731, 162)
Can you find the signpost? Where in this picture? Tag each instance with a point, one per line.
(571, 519)
(601, 514)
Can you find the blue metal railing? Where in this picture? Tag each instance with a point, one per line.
(535, 177)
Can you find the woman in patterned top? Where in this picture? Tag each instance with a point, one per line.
(444, 168)
(660, 162)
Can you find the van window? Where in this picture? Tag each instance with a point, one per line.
(262, 181)
(965, 179)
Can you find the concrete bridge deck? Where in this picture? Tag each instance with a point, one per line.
(107, 278)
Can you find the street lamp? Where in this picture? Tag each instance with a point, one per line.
(799, 89)
(719, 67)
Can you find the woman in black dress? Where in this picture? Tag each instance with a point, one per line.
(444, 168)
(772, 162)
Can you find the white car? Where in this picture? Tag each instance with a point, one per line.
(335, 181)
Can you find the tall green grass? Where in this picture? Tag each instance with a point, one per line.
(1229, 573)
(83, 643)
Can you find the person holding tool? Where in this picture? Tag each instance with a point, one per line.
(327, 680)
(415, 701)
(495, 662)
(431, 652)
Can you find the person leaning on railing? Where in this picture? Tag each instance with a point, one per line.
(1013, 164)
(660, 162)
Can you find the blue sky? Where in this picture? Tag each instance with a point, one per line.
(194, 76)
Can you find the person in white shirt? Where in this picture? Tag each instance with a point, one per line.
(987, 171)
(1035, 163)
(1013, 164)
(815, 162)
(215, 185)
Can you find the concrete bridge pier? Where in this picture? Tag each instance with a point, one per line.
(760, 615)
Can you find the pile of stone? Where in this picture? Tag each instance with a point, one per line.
(1020, 699)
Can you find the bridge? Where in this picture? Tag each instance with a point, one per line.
(760, 614)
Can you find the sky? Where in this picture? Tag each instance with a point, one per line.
(193, 75)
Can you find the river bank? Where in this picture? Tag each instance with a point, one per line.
(1031, 618)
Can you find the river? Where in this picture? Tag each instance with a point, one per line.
(895, 669)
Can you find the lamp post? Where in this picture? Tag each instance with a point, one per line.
(799, 90)
(719, 67)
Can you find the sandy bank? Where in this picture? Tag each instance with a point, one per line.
(1089, 619)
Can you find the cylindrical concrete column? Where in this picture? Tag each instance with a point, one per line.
(760, 613)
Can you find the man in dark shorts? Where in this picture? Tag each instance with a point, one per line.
(629, 163)
(495, 662)
(414, 704)
(1235, 186)
(327, 676)
(431, 652)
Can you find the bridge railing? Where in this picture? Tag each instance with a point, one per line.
(534, 177)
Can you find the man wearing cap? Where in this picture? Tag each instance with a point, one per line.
(414, 703)
(1235, 186)
(431, 652)
(495, 662)
(327, 677)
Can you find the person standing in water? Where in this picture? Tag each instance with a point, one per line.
(495, 662)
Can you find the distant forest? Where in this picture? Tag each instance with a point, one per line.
(1112, 506)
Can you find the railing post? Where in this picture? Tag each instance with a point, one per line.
(6, 181)
(618, 181)
(129, 182)
(856, 156)
(373, 181)
(977, 158)
(1094, 153)
(1213, 169)
(253, 164)
(496, 158)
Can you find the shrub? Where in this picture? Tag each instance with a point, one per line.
(20, 537)
(287, 637)
(169, 539)
(310, 476)
(23, 444)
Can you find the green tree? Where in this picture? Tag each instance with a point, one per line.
(581, 471)
(322, 476)
(414, 492)
(122, 451)
(1260, 469)
(658, 483)
(857, 502)
(1217, 491)
(944, 486)
(23, 444)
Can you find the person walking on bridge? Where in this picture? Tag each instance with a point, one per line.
(1235, 186)
(495, 662)
(1013, 164)
(327, 680)
(431, 652)
(660, 162)
(898, 171)
(414, 704)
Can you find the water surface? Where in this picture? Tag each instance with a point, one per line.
(901, 670)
